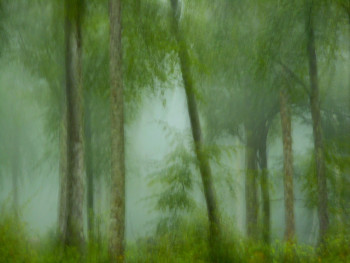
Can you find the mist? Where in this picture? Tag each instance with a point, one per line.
(174, 131)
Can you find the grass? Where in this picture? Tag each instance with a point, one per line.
(185, 242)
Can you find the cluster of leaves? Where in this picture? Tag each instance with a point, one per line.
(175, 179)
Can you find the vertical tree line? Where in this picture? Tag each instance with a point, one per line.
(286, 124)
(251, 183)
(317, 127)
(117, 216)
(265, 193)
(75, 138)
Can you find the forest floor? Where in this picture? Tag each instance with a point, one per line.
(185, 244)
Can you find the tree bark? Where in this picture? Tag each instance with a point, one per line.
(265, 193)
(117, 215)
(62, 213)
(286, 124)
(203, 161)
(16, 164)
(317, 132)
(89, 169)
(75, 149)
(251, 185)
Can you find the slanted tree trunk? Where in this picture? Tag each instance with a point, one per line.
(317, 132)
(286, 124)
(117, 215)
(251, 197)
(204, 166)
(89, 169)
(75, 148)
(265, 193)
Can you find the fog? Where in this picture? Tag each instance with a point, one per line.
(161, 124)
(174, 131)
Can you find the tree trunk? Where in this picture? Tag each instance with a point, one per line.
(117, 220)
(89, 168)
(251, 185)
(265, 194)
(75, 148)
(286, 124)
(204, 166)
(62, 213)
(317, 132)
(342, 197)
(16, 164)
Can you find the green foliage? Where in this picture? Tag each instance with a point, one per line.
(13, 246)
(184, 243)
(175, 178)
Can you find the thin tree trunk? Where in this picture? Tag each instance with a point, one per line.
(16, 159)
(265, 193)
(75, 148)
(286, 124)
(317, 132)
(117, 220)
(251, 185)
(62, 213)
(343, 189)
(341, 185)
(98, 221)
(89, 168)
(204, 166)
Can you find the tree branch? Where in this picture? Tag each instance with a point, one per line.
(295, 77)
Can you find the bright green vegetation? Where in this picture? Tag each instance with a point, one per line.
(184, 243)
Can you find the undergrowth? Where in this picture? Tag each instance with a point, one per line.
(183, 242)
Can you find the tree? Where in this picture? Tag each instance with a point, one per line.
(44, 45)
(288, 165)
(89, 166)
(251, 182)
(317, 127)
(117, 215)
(62, 195)
(15, 164)
(204, 166)
(75, 151)
(265, 193)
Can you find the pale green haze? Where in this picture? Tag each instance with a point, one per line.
(174, 131)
